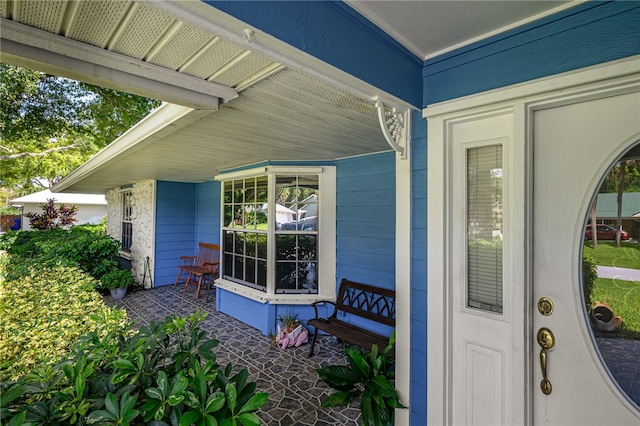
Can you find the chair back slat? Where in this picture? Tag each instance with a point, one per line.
(207, 253)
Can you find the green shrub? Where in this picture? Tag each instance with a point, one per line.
(118, 278)
(165, 374)
(43, 313)
(87, 247)
(589, 277)
(369, 379)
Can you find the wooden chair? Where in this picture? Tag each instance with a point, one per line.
(204, 265)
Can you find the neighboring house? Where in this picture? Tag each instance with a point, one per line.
(607, 211)
(459, 175)
(92, 208)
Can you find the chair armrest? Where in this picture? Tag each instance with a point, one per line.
(188, 260)
(322, 302)
(211, 267)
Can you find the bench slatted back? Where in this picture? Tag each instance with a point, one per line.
(374, 303)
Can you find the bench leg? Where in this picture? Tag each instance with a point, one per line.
(313, 342)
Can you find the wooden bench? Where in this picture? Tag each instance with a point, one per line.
(203, 265)
(362, 300)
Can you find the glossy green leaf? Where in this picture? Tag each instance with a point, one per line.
(154, 393)
(339, 377)
(380, 385)
(190, 418)
(255, 402)
(230, 392)
(18, 419)
(162, 382)
(339, 399)
(358, 363)
(248, 419)
(111, 404)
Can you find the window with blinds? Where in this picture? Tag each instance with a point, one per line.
(484, 228)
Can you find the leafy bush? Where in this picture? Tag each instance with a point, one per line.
(53, 217)
(589, 277)
(166, 374)
(368, 378)
(11, 211)
(87, 247)
(118, 278)
(43, 314)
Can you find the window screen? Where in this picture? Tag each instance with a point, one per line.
(484, 228)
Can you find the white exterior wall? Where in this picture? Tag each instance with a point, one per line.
(87, 214)
(144, 202)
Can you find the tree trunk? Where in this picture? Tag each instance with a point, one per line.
(623, 167)
(594, 226)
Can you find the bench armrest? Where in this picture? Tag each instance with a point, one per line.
(323, 302)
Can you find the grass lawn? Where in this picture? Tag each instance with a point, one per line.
(624, 299)
(627, 256)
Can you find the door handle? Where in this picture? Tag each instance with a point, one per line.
(546, 340)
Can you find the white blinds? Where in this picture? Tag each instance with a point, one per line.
(484, 228)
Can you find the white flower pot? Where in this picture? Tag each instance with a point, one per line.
(118, 293)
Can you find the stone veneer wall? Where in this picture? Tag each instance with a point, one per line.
(142, 246)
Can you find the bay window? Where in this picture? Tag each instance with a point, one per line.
(278, 233)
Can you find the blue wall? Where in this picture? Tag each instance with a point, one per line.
(208, 212)
(365, 219)
(186, 213)
(335, 33)
(175, 228)
(585, 35)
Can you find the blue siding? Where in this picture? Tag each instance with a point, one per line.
(208, 212)
(585, 35)
(256, 314)
(186, 213)
(418, 367)
(175, 228)
(365, 219)
(336, 34)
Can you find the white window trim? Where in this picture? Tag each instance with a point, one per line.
(125, 254)
(326, 238)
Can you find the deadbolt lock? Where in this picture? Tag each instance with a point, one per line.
(545, 306)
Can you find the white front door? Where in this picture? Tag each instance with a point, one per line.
(573, 147)
(493, 255)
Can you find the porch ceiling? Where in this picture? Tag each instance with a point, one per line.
(249, 97)
(286, 117)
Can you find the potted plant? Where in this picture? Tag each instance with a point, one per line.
(369, 378)
(288, 320)
(292, 333)
(117, 281)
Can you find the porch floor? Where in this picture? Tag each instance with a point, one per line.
(288, 376)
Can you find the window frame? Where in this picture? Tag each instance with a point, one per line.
(126, 218)
(326, 238)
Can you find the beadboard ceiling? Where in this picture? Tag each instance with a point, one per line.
(249, 102)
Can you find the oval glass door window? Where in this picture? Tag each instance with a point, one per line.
(611, 271)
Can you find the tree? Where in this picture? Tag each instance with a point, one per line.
(50, 125)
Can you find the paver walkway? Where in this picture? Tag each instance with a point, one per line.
(625, 274)
(288, 376)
